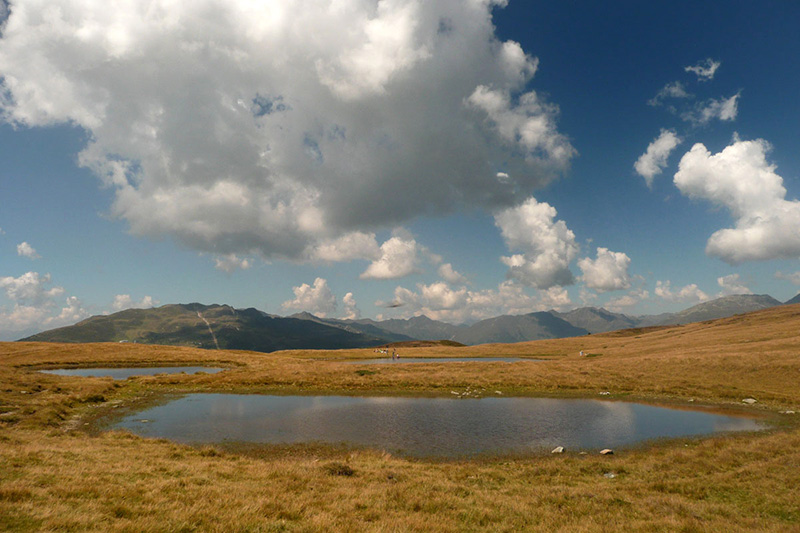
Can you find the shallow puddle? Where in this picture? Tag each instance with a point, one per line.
(125, 373)
(425, 426)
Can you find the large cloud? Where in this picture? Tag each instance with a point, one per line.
(399, 257)
(740, 179)
(35, 306)
(547, 245)
(30, 288)
(239, 126)
(317, 299)
(609, 272)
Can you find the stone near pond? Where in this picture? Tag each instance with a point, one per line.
(787, 412)
(558, 449)
(605, 393)
(607, 451)
(749, 401)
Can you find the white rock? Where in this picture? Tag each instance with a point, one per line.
(558, 449)
(749, 401)
(607, 451)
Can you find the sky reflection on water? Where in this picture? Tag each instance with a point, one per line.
(424, 426)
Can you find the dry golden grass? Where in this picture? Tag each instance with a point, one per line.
(56, 477)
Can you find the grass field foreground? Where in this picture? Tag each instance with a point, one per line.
(58, 474)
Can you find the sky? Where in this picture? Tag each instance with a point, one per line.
(381, 159)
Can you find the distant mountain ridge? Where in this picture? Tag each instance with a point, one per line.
(223, 327)
(518, 328)
(795, 300)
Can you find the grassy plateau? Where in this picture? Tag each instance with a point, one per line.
(59, 471)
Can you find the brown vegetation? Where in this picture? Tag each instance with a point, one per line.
(54, 475)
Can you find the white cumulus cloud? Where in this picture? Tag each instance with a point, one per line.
(399, 257)
(547, 245)
(739, 178)
(608, 272)
(26, 250)
(317, 299)
(71, 313)
(653, 161)
(35, 306)
(440, 301)
(621, 304)
(238, 127)
(355, 245)
(687, 293)
(351, 310)
(450, 275)
(124, 301)
(732, 284)
(30, 288)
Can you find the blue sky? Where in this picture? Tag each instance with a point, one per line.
(395, 158)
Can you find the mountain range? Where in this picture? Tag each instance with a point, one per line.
(223, 327)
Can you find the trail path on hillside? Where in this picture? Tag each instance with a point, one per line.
(201, 317)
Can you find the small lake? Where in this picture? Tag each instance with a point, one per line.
(125, 373)
(389, 360)
(424, 426)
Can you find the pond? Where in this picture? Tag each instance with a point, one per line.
(389, 360)
(125, 373)
(441, 427)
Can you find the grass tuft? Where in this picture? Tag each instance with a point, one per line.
(339, 469)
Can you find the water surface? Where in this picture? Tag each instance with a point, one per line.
(424, 426)
(125, 373)
(389, 360)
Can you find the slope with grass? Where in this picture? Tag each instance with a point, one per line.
(209, 326)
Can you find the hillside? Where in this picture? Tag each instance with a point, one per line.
(518, 328)
(596, 320)
(418, 327)
(208, 326)
(723, 307)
